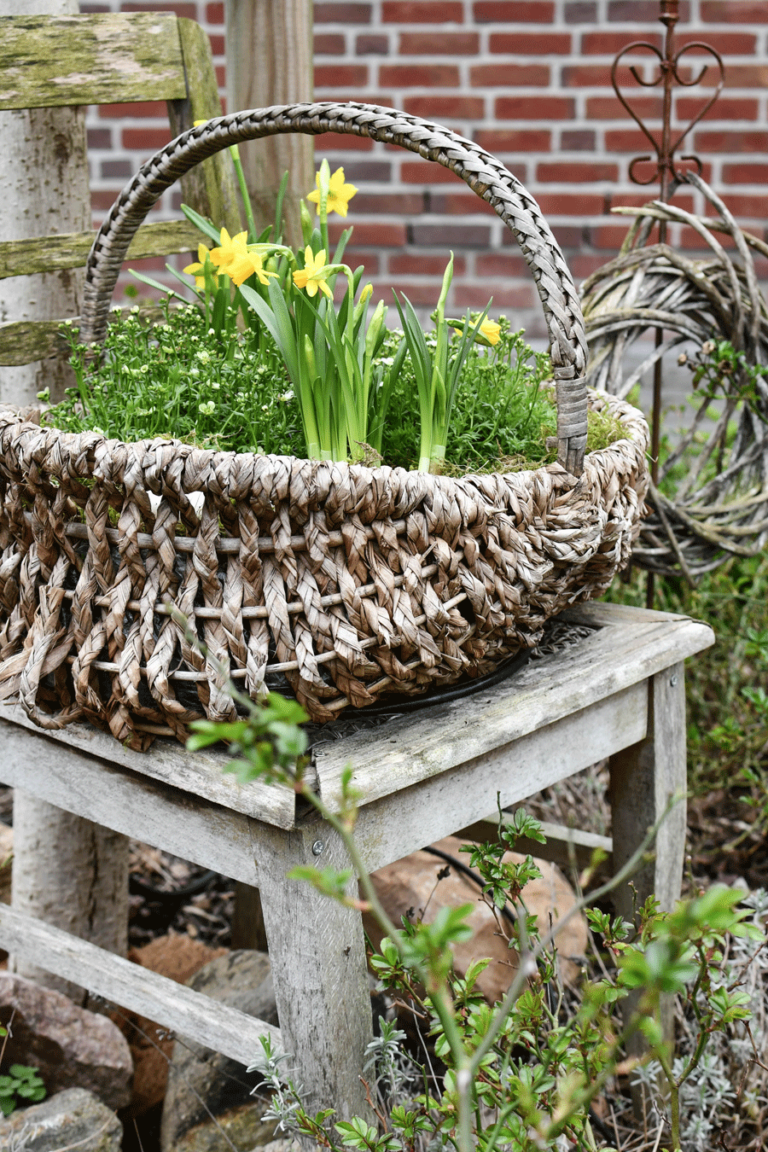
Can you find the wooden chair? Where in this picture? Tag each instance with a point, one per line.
(57, 61)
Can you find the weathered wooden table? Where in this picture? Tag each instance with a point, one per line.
(619, 693)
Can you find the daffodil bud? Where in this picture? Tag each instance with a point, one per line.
(306, 222)
(374, 328)
(309, 357)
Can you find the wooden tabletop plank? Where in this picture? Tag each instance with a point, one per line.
(421, 745)
(199, 773)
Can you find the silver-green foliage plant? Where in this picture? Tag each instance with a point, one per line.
(520, 1074)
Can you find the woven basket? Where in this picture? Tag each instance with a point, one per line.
(352, 582)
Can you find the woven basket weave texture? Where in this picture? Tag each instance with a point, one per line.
(348, 581)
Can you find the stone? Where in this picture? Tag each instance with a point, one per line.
(202, 1083)
(71, 1047)
(178, 957)
(74, 1118)
(412, 883)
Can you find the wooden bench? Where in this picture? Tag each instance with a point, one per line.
(619, 693)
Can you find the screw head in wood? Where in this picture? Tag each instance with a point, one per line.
(673, 681)
(317, 847)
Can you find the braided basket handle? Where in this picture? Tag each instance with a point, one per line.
(484, 174)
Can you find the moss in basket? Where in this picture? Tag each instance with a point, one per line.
(265, 361)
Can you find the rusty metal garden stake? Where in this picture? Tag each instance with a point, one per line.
(665, 172)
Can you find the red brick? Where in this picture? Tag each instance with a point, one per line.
(754, 207)
(583, 264)
(329, 44)
(341, 142)
(389, 203)
(218, 45)
(627, 140)
(439, 43)
(419, 75)
(734, 11)
(415, 264)
(451, 235)
(221, 76)
(371, 260)
(463, 202)
(563, 172)
(329, 75)
(726, 108)
(608, 236)
(586, 76)
(476, 296)
(371, 45)
(534, 108)
(497, 264)
(709, 141)
(342, 13)
(523, 140)
(422, 12)
(509, 75)
(378, 171)
(642, 12)
(419, 172)
(513, 11)
(99, 138)
(577, 140)
(740, 76)
(214, 13)
(581, 12)
(736, 43)
(609, 43)
(571, 203)
(745, 173)
(609, 108)
(424, 294)
(376, 234)
(459, 107)
(530, 43)
(154, 109)
(568, 235)
(145, 139)
(102, 200)
(188, 11)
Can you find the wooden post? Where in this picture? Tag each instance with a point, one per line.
(66, 870)
(643, 779)
(317, 950)
(43, 190)
(269, 61)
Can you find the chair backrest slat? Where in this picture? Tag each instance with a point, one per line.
(70, 249)
(108, 58)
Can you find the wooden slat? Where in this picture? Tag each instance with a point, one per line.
(199, 773)
(212, 1023)
(70, 249)
(210, 835)
(397, 824)
(52, 61)
(24, 341)
(417, 747)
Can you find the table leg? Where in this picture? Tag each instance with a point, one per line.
(317, 950)
(643, 778)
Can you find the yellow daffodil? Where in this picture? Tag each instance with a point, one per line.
(314, 273)
(491, 330)
(198, 270)
(339, 193)
(234, 258)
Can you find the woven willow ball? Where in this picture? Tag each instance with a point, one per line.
(720, 505)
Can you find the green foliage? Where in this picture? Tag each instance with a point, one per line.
(21, 1083)
(521, 1073)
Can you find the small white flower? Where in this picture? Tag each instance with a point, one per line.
(286, 396)
(265, 407)
(215, 386)
(208, 408)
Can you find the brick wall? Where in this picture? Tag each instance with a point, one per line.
(529, 80)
